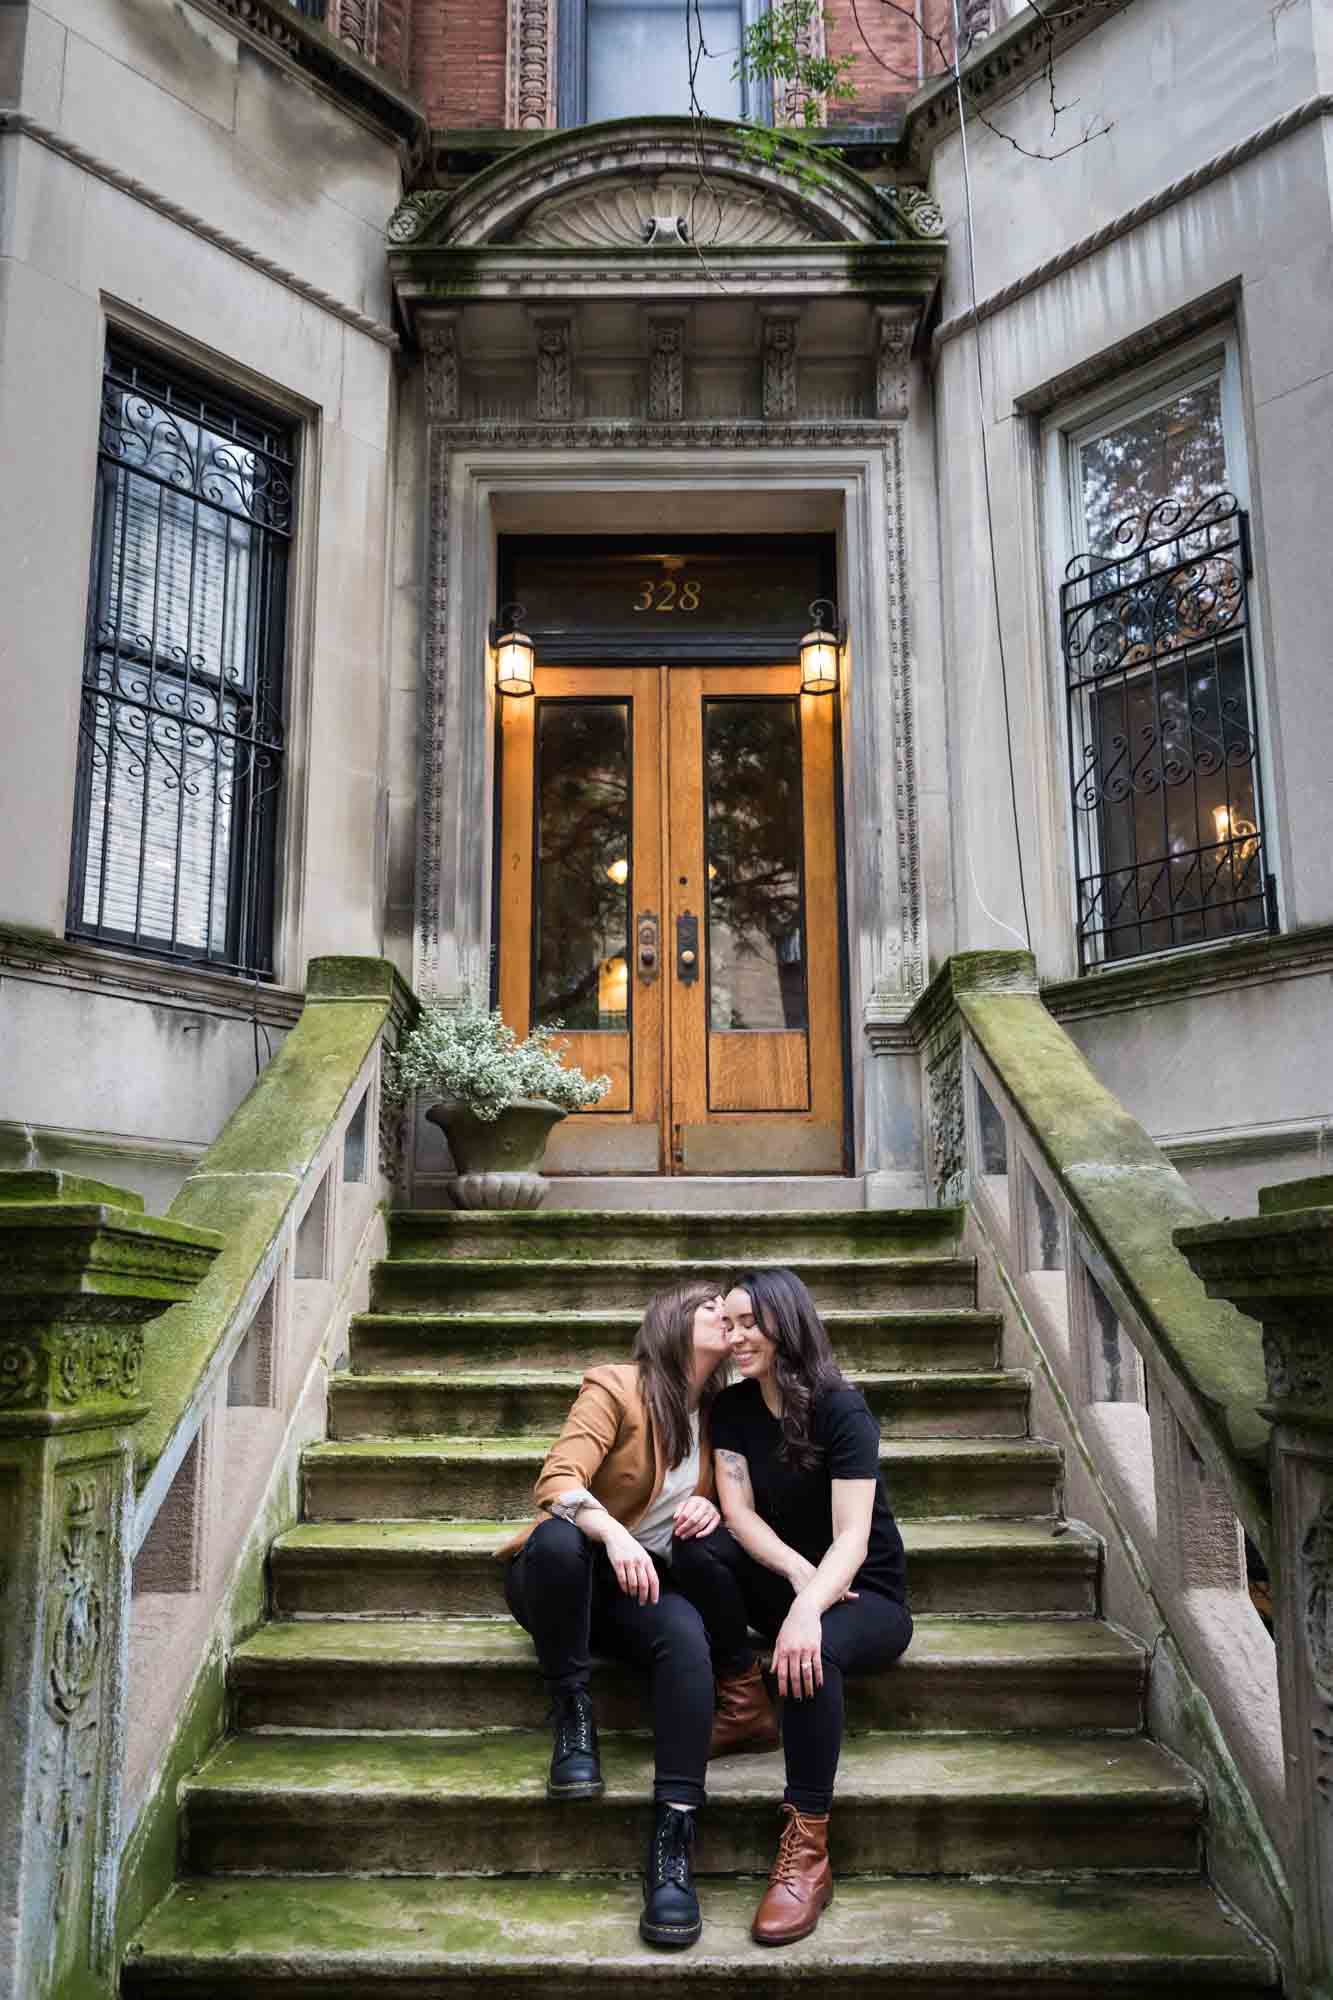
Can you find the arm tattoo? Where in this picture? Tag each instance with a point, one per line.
(734, 1467)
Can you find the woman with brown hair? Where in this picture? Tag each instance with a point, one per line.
(625, 1487)
(810, 1556)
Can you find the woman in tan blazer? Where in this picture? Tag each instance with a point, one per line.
(629, 1477)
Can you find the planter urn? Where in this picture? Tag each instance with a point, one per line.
(496, 1160)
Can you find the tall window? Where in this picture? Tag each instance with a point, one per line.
(1156, 634)
(181, 736)
(633, 58)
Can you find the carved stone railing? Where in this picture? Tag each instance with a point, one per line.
(85, 1271)
(1153, 1389)
(1279, 1267)
(196, 1435)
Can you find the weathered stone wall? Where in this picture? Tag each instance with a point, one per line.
(178, 178)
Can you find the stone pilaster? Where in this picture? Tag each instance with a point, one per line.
(84, 1270)
(894, 333)
(666, 366)
(439, 352)
(1278, 1268)
(780, 327)
(555, 367)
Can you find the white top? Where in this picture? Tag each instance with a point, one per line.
(654, 1530)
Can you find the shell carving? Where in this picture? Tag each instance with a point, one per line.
(633, 212)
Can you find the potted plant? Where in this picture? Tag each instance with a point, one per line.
(496, 1098)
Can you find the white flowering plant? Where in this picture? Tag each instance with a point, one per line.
(468, 1053)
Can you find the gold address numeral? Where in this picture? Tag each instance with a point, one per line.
(665, 594)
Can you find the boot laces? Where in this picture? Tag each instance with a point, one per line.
(785, 1866)
(573, 1726)
(671, 1849)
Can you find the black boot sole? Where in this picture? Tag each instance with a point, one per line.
(583, 1788)
(670, 1937)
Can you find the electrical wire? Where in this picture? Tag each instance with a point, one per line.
(1025, 936)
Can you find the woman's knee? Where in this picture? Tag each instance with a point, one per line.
(681, 1640)
(557, 1544)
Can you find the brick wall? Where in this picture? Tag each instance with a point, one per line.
(891, 55)
(458, 60)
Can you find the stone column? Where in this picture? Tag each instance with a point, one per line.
(1278, 1267)
(84, 1269)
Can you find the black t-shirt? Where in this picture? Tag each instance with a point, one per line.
(798, 1504)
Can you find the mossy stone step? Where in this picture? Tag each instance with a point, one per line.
(439, 1569)
(277, 1938)
(508, 1402)
(907, 1805)
(718, 1236)
(449, 1478)
(480, 1673)
(586, 1284)
(400, 1343)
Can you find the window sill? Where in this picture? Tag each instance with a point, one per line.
(81, 966)
(1191, 970)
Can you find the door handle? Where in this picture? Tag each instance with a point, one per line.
(648, 945)
(687, 948)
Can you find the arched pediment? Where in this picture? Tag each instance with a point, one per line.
(661, 184)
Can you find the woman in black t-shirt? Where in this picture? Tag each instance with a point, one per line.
(810, 1555)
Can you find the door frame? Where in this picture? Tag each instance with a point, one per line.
(853, 481)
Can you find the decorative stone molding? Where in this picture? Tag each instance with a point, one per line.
(530, 65)
(1133, 218)
(357, 24)
(666, 211)
(909, 951)
(84, 968)
(415, 213)
(666, 367)
(780, 331)
(17, 124)
(340, 58)
(555, 368)
(948, 1140)
(918, 212)
(439, 351)
(894, 333)
(1317, 1589)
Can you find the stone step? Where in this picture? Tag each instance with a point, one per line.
(463, 1479)
(402, 1343)
(587, 1284)
(480, 1673)
(279, 1938)
(436, 1569)
(507, 1402)
(907, 1805)
(727, 1238)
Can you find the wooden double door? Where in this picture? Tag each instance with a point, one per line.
(667, 891)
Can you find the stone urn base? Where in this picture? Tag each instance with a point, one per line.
(497, 1160)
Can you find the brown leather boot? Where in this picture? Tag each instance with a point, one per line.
(743, 1717)
(801, 1885)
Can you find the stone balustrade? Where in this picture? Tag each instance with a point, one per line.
(1153, 1388)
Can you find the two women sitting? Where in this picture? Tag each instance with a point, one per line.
(633, 1559)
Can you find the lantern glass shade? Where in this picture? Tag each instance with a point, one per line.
(514, 662)
(819, 662)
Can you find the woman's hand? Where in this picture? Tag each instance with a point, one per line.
(694, 1518)
(635, 1570)
(797, 1654)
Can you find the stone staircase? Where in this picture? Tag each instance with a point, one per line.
(377, 1824)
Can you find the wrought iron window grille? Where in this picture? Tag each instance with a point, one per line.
(181, 736)
(1164, 767)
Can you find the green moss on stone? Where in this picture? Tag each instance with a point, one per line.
(31, 1184)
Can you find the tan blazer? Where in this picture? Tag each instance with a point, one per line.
(608, 1445)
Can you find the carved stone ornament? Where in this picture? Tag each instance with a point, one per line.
(1317, 1591)
(664, 212)
(779, 338)
(75, 1608)
(947, 1129)
(666, 372)
(918, 212)
(1299, 1365)
(555, 371)
(894, 331)
(66, 1366)
(439, 351)
(414, 214)
(529, 69)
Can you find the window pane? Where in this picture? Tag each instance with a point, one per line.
(1174, 452)
(582, 891)
(752, 785)
(639, 58)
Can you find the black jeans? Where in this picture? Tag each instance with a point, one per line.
(733, 1592)
(562, 1589)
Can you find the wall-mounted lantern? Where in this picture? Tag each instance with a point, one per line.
(821, 647)
(515, 655)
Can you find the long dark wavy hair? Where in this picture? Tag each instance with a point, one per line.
(664, 1350)
(803, 1364)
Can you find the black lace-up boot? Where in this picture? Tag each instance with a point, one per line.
(670, 1906)
(576, 1768)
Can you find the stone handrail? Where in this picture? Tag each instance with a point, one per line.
(158, 1379)
(1155, 1390)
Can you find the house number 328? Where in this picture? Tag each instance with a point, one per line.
(668, 595)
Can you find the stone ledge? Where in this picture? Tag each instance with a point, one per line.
(298, 44)
(1184, 974)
